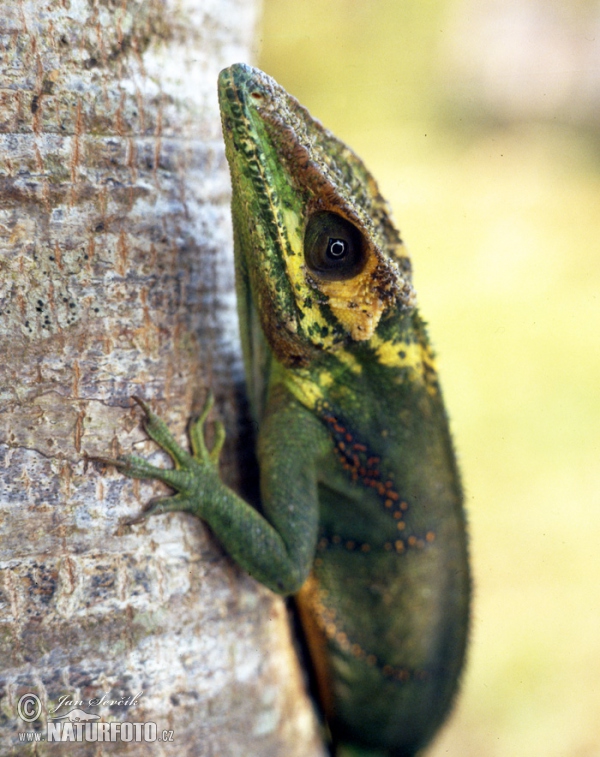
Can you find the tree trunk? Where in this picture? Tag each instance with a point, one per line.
(116, 279)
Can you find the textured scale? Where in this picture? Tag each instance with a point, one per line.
(386, 605)
(361, 513)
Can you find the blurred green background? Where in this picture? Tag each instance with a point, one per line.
(479, 120)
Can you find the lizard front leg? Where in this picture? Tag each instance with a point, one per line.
(276, 548)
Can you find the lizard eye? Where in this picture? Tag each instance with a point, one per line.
(334, 248)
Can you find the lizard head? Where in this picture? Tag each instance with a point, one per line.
(314, 236)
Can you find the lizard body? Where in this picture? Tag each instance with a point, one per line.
(361, 505)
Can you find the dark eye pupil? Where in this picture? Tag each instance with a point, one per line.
(336, 248)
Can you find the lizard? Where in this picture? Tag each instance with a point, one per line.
(361, 515)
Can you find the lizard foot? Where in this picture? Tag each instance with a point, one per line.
(192, 474)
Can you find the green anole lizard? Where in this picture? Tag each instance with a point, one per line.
(361, 506)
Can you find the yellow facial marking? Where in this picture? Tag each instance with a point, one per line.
(417, 357)
(348, 359)
(306, 297)
(398, 354)
(309, 388)
(304, 387)
(354, 303)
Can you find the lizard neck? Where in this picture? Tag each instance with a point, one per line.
(397, 360)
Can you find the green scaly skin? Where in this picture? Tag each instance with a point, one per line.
(361, 511)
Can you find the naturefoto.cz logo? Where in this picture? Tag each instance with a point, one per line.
(77, 724)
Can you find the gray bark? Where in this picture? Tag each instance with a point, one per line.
(116, 279)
